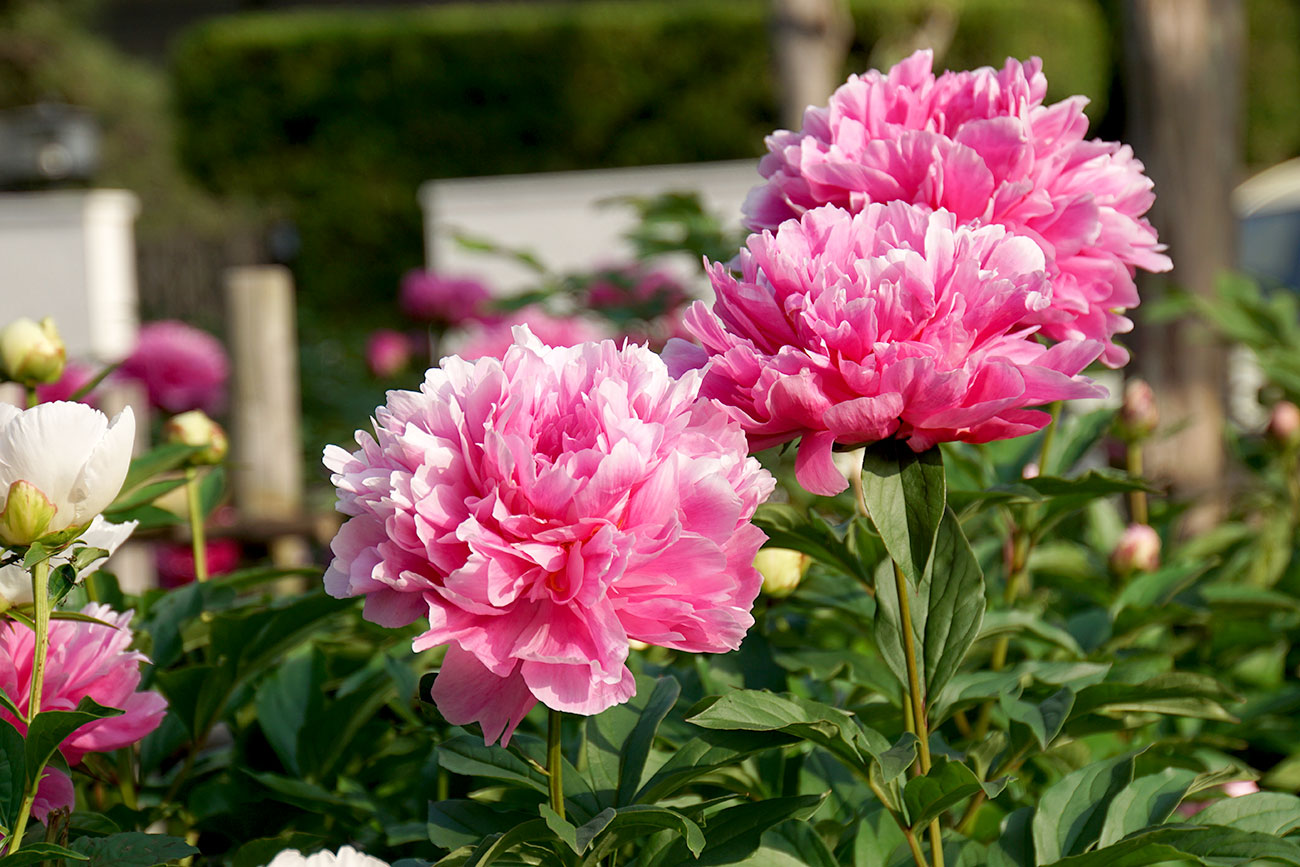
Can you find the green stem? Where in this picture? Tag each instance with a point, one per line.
(41, 606)
(1137, 500)
(916, 699)
(555, 760)
(197, 539)
(1048, 435)
(32, 397)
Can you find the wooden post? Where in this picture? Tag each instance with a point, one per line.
(810, 39)
(1183, 84)
(266, 459)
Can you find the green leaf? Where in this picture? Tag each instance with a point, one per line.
(8, 704)
(13, 773)
(499, 844)
(761, 711)
(561, 827)
(289, 700)
(457, 823)
(142, 496)
(52, 727)
(1072, 811)
(1015, 846)
(35, 853)
(1146, 801)
(736, 832)
(83, 557)
(627, 824)
(618, 741)
(704, 754)
(1213, 846)
(1264, 812)
(905, 494)
(946, 784)
(468, 755)
(809, 533)
(1173, 693)
(133, 849)
(947, 609)
(260, 852)
(999, 624)
(1045, 720)
(794, 843)
(36, 552)
(898, 758)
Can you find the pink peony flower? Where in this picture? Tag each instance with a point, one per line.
(86, 659)
(493, 339)
(542, 511)
(895, 322)
(388, 353)
(180, 366)
(982, 145)
(54, 792)
(442, 298)
(1138, 550)
(75, 376)
(175, 560)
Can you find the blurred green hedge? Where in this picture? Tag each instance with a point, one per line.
(340, 115)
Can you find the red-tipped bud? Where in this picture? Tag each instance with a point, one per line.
(1138, 550)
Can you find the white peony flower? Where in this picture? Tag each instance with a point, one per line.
(16, 583)
(61, 464)
(347, 857)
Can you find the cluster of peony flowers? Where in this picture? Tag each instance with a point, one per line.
(181, 367)
(442, 298)
(541, 511)
(981, 145)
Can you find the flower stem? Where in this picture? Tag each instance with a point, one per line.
(32, 397)
(917, 701)
(197, 539)
(41, 606)
(1048, 435)
(555, 760)
(1137, 500)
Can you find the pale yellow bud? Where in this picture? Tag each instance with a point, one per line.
(32, 353)
(782, 570)
(1138, 550)
(27, 514)
(194, 428)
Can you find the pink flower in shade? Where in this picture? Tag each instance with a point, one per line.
(982, 145)
(180, 366)
(894, 322)
(85, 659)
(54, 792)
(388, 353)
(635, 288)
(542, 511)
(75, 376)
(493, 339)
(442, 298)
(175, 560)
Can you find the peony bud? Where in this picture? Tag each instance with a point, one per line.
(388, 353)
(1138, 550)
(782, 570)
(30, 353)
(194, 428)
(1284, 424)
(1138, 416)
(26, 516)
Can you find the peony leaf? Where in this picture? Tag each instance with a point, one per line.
(36, 853)
(1072, 811)
(13, 773)
(133, 849)
(1146, 801)
(945, 785)
(1045, 720)
(704, 754)
(52, 727)
(905, 494)
(735, 833)
(627, 824)
(1212, 845)
(1264, 812)
(456, 823)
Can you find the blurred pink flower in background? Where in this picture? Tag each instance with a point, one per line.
(492, 339)
(542, 511)
(982, 145)
(1233, 789)
(388, 353)
(175, 560)
(1138, 550)
(894, 322)
(180, 366)
(442, 298)
(635, 287)
(75, 376)
(86, 659)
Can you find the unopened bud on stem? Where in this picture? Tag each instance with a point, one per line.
(32, 353)
(194, 428)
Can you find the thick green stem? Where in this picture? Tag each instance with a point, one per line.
(41, 606)
(197, 538)
(916, 699)
(32, 397)
(1048, 435)
(1137, 500)
(555, 760)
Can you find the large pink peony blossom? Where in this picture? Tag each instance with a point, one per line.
(86, 659)
(543, 510)
(982, 145)
(443, 298)
(894, 322)
(180, 366)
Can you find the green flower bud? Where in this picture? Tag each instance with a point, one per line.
(194, 428)
(27, 513)
(31, 353)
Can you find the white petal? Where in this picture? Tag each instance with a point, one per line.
(105, 470)
(48, 446)
(15, 586)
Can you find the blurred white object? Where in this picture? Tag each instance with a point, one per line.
(557, 216)
(70, 254)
